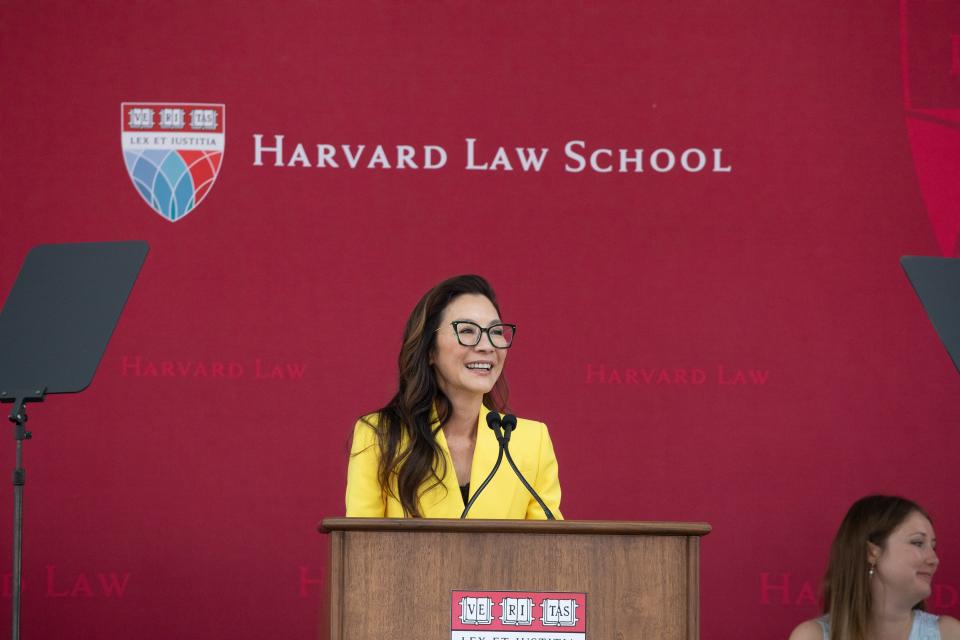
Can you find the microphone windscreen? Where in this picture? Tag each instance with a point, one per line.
(493, 420)
(509, 421)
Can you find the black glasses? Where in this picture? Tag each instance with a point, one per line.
(469, 333)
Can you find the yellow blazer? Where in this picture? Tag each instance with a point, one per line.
(504, 498)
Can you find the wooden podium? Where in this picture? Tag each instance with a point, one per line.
(393, 579)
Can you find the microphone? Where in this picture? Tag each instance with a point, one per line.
(493, 421)
(509, 423)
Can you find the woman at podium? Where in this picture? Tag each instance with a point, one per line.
(880, 570)
(426, 452)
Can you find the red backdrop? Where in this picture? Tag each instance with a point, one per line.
(736, 346)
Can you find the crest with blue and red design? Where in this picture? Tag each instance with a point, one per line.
(173, 152)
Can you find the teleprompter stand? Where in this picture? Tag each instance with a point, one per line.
(937, 283)
(54, 329)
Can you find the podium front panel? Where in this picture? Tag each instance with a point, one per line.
(398, 584)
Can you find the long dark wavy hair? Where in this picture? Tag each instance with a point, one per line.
(846, 586)
(405, 433)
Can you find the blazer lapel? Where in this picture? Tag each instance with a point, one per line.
(484, 455)
(451, 499)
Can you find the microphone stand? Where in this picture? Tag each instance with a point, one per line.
(509, 424)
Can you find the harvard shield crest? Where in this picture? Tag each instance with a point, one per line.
(173, 152)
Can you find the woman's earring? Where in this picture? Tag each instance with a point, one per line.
(870, 572)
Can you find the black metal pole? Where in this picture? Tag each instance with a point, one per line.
(19, 417)
(18, 480)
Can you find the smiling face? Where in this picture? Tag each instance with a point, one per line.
(464, 373)
(906, 564)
